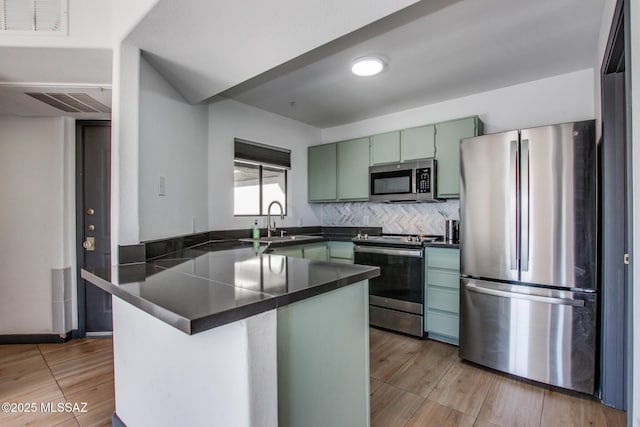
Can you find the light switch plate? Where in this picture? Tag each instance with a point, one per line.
(162, 186)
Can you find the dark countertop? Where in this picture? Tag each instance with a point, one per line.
(216, 283)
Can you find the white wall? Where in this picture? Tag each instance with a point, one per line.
(558, 99)
(229, 119)
(38, 222)
(89, 27)
(126, 14)
(173, 144)
(125, 227)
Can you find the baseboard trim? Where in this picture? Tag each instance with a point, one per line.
(106, 334)
(116, 421)
(36, 338)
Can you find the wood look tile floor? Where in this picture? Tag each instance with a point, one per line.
(424, 383)
(414, 383)
(79, 371)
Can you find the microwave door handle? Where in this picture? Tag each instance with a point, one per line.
(414, 184)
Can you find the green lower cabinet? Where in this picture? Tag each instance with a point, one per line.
(333, 251)
(323, 359)
(340, 252)
(443, 326)
(317, 251)
(443, 299)
(442, 294)
(292, 251)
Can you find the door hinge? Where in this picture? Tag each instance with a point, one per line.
(626, 259)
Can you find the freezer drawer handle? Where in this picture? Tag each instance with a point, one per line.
(549, 300)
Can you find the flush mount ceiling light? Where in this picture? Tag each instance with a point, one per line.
(367, 66)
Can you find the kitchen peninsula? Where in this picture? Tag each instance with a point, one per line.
(220, 335)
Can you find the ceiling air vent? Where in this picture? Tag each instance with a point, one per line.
(71, 102)
(34, 17)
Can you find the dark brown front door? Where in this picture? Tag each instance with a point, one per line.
(93, 150)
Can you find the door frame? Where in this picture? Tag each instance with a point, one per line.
(81, 286)
(617, 325)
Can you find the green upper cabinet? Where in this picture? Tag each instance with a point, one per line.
(385, 148)
(339, 171)
(322, 172)
(448, 136)
(417, 143)
(353, 169)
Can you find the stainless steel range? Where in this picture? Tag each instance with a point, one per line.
(396, 297)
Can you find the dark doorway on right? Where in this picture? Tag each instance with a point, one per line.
(616, 228)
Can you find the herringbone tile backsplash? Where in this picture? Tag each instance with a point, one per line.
(394, 218)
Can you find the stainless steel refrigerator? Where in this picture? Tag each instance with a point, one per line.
(528, 212)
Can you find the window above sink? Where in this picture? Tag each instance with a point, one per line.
(260, 177)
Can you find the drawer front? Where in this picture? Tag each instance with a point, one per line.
(341, 250)
(441, 323)
(342, 260)
(317, 251)
(443, 299)
(295, 252)
(443, 258)
(442, 278)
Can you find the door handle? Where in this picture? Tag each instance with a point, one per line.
(514, 212)
(524, 206)
(537, 298)
(89, 244)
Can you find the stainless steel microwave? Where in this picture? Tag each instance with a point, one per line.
(412, 181)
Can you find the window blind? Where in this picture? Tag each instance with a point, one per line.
(261, 153)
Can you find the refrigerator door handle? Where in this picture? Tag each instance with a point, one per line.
(513, 205)
(549, 300)
(524, 205)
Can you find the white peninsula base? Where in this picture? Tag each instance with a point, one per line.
(306, 363)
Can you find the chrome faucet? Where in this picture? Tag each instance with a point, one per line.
(269, 227)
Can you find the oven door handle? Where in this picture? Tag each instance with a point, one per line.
(387, 251)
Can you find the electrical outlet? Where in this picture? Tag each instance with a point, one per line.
(365, 220)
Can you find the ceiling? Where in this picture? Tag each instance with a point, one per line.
(204, 47)
(468, 47)
(436, 50)
(53, 71)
